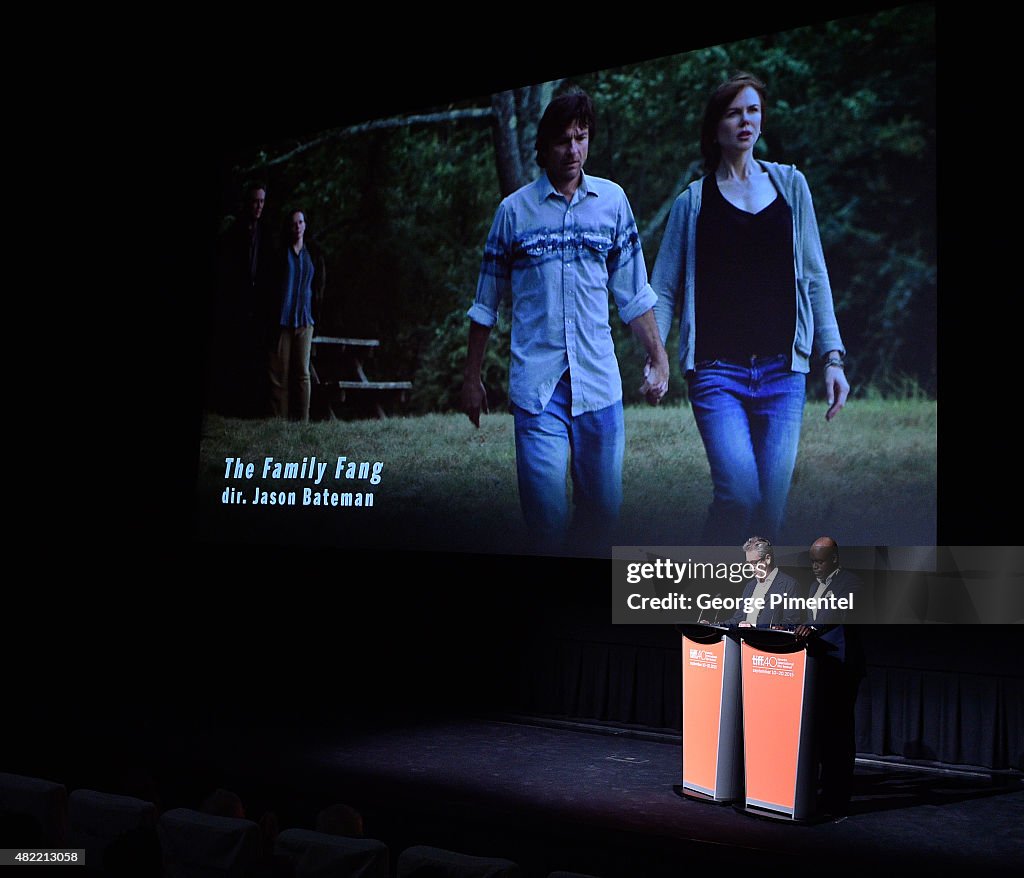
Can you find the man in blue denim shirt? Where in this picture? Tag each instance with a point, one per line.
(558, 246)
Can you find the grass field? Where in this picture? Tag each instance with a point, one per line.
(868, 478)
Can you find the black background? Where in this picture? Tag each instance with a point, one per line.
(115, 569)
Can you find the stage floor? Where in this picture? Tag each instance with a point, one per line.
(548, 795)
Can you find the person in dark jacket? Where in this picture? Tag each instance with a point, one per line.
(841, 667)
(768, 581)
(240, 335)
(295, 304)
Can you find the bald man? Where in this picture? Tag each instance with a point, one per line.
(841, 668)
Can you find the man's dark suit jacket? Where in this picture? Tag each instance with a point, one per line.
(782, 584)
(832, 622)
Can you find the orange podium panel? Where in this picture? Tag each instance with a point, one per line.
(778, 744)
(712, 755)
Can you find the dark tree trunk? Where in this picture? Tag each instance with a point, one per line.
(506, 143)
(516, 114)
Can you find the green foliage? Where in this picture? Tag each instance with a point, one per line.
(438, 381)
(852, 104)
(403, 213)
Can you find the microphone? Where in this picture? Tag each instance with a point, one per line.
(719, 610)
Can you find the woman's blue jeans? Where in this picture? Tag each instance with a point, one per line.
(749, 416)
(545, 444)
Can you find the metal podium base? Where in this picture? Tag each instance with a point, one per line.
(697, 796)
(763, 813)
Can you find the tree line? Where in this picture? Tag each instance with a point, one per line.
(401, 206)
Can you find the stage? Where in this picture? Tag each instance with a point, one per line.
(547, 794)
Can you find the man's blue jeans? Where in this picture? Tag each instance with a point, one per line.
(546, 443)
(749, 417)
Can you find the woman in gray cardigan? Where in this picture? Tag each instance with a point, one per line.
(742, 260)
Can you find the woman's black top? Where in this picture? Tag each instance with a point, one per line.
(745, 296)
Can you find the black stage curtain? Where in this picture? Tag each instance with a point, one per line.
(942, 716)
(947, 694)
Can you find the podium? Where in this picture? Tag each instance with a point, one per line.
(712, 767)
(778, 674)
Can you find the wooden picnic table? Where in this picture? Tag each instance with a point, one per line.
(336, 367)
